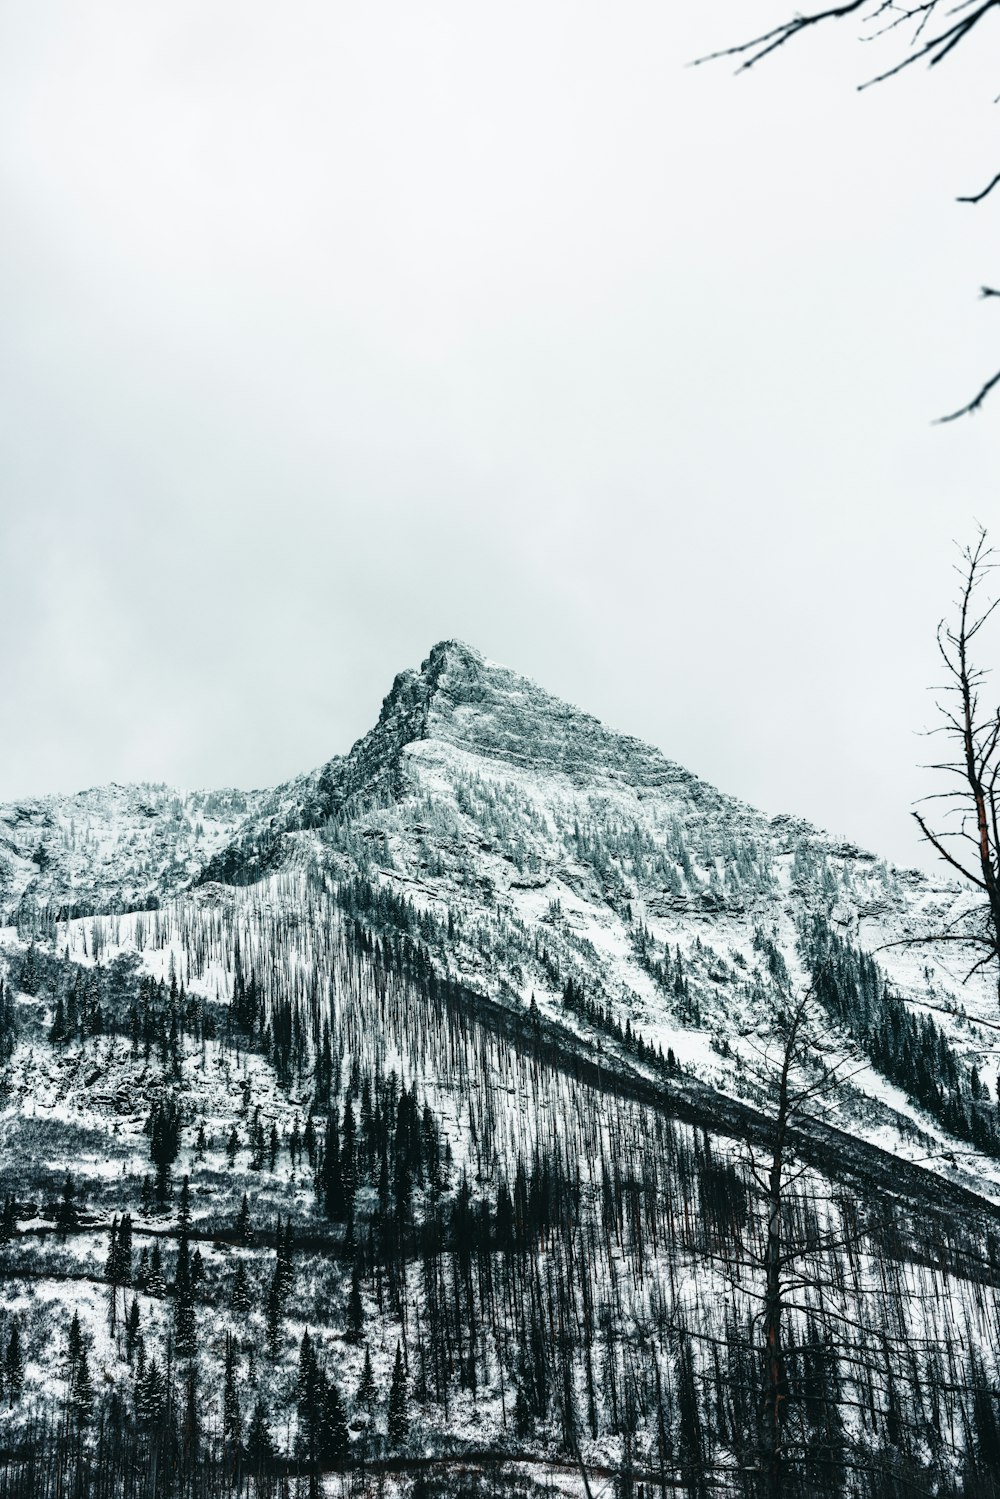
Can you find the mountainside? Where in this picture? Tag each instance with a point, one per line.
(112, 848)
(465, 1043)
(564, 852)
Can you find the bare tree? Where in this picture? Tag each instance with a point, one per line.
(802, 1079)
(930, 31)
(788, 1260)
(970, 842)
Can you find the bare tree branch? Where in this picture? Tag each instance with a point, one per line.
(978, 198)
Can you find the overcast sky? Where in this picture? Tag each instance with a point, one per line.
(331, 330)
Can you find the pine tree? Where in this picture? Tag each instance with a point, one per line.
(240, 1298)
(57, 1030)
(184, 1209)
(155, 1283)
(366, 1384)
(132, 1333)
(142, 1269)
(330, 1177)
(260, 1443)
(74, 1349)
(308, 1392)
(336, 1441)
(355, 1309)
(13, 1366)
(243, 1226)
(232, 1419)
(118, 1267)
(83, 1390)
(192, 1410)
(272, 1312)
(149, 1394)
(399, 1419)
(164, 1127)
(284, 1268)
(125, 1250)
(184, 1318)
(67, 1215)
(110, 1271)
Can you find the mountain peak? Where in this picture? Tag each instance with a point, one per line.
(413, 691)
(450, 653)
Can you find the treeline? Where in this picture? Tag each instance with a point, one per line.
(156, 1015)
(601, 1016)
(910, 1050)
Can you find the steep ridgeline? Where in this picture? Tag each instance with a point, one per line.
(407, 1121)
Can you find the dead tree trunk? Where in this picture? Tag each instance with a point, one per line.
(975, 764)
(777, 1377)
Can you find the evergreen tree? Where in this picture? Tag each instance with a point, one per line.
(184, 1316)
(308, 1396)
(184, 1209)
(284, 1267)
(57, 1030)
(83, 1390)
(8, 1220)
(155, 1283)
(142, 1269)
(232, 1419)
(240, 1298)
(132, 1333)
(13, 1366)
(243, 1226)
(118, 1266)
(192, 1411)
(260, 1443)
(149, 1394)
(164, 1128)
(366, 1384)
(74, 1349)
(399, 1418)
(336, 1441)
(67, 1213)
(355, 1310)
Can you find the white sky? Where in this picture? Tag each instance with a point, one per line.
(328, 331)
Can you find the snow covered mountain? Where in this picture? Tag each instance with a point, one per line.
(464, 1042)
(560, 851)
